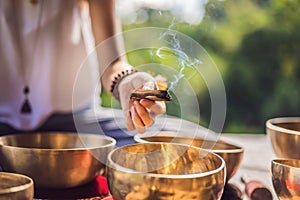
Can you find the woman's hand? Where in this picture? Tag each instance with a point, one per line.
(139, 113)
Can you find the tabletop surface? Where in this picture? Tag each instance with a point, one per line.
(256, 163)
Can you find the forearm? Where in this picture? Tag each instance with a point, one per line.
(109, 43)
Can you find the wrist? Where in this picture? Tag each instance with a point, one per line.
(117, 79)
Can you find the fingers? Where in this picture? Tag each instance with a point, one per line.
(140, 114)
(137, 116)
(155, 107)
(143, 114)
(140, 117)
(129, 124)
(137, 121)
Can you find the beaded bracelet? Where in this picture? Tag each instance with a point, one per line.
(117, 80)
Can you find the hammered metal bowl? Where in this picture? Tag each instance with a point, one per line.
(166, 171)
(286, 178)
(284, 134)
(56, 159)
(15, 186)
(232, 154)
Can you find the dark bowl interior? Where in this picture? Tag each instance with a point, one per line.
(289, 125)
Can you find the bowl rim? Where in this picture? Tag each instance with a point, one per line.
(16, 188)
(172, 176)
(277, 162)
(112, 142)
(270, 124)
(237, 149)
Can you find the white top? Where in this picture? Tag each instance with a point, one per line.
(54, 50)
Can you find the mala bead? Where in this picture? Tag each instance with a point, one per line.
(26, 90)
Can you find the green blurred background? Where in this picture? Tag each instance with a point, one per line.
(256, 47)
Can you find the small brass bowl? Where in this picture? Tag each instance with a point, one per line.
(284, 134)
(286, 178)
(15, 186)
(55, 159)
(165, 171)
(232, 154)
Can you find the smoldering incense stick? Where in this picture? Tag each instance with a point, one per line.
(154, 95)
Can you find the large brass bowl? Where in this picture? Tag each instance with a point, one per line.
(284, 134)
(165, 171)
(232, 154)
(286, 178)
(55, 159)
(15, 186)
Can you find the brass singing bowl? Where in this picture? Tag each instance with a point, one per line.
(284, 134)
(232, 154)
(165, 171)
(15, 186)
(56, 159)
(286, 178)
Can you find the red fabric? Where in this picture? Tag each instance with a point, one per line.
(95, 189)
